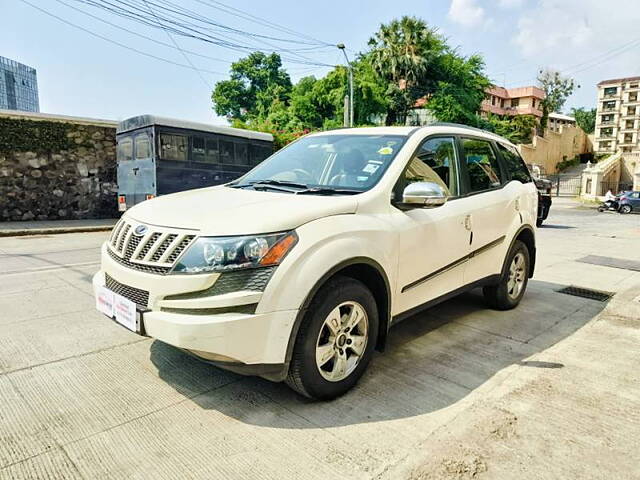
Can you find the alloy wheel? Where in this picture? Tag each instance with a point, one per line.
(342, 341)
(517, 276)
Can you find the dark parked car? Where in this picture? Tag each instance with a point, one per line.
(544, 199)
(629, 202)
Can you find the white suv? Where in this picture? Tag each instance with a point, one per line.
(297, 270)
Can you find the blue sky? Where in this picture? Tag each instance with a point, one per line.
(82, 75)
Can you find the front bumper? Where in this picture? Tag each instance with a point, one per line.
(251, 343)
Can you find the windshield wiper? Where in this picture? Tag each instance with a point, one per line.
(328, 191)
(281, 183)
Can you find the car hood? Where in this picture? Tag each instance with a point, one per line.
(219, 211)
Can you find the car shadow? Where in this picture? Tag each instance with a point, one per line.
(432, 360)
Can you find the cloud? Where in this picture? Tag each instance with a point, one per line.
(467, 12)
(511, 3)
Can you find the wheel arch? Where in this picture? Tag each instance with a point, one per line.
(373, 276)
(527, 236)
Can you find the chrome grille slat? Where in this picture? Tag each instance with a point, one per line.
(123, 235)
(154, 252)
(147, 246)
(163, 247)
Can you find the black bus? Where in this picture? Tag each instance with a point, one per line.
(158, 155)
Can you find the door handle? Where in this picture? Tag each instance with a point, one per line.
(467, 222)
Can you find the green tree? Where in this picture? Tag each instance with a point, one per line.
(586, 119)
(557, 89)
(404, 53)
(517, 129)
(461, 89)
(256, 82)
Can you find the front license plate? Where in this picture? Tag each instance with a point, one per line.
(119, 308)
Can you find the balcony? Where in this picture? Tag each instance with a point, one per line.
(606, 122)
(608, 109)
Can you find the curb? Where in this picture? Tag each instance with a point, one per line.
(53, 231)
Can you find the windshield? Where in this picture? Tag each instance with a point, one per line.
(342, 163)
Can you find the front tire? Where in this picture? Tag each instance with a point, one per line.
(624, 209)
(335, 341)
(513, 281)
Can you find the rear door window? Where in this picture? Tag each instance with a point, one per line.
(516, 168)
(482, 167)
(143, 146)
(125, 149)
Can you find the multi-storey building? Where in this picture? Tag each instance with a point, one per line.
(18, 86)
(513, 101)
(618, 115)
(557, 121)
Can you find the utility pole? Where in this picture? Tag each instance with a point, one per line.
(344, 52)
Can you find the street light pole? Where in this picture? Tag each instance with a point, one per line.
(344, 52)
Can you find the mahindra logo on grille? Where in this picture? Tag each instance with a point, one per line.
(140, 230)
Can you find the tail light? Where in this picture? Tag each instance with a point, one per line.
(150, 196)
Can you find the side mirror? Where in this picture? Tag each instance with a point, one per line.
(424, 195)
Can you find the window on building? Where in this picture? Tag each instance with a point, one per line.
(515, 102)
(143, 146)
(629, 124)
(628, 137)
(633, 85)
(609, 91)
(198, 149)
(606, 132)
(483, 170)
(633, 97)
(608, 105)
(516, 167)
(631, 110)
(173, 147)
(493, 100)
(533, 102)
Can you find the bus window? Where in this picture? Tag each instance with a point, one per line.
(143, 146)
(212, 151)
(173, 147)
(197, 149)
(125, 149)
(257, 153)
(242, 155)
(226, 152)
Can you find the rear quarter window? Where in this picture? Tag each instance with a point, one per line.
(514, 164)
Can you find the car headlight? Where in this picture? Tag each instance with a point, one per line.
(222, 254)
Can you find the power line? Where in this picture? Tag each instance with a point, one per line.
(181, 51)
(151, 39)
(252, 18)
(115, 42)
(187, 28)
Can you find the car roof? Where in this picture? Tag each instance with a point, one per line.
(434, 128)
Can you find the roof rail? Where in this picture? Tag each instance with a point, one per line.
(459, 125)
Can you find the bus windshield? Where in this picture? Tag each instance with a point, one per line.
(349, 162)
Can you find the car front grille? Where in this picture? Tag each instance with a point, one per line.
(136, 295)
(155, 251)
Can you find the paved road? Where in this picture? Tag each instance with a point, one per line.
(542, 391)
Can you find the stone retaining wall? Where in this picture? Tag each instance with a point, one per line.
(74, 182)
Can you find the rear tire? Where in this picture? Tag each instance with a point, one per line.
(335, 341)
(508, 292)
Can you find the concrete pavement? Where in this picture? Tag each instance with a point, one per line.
(549, 390)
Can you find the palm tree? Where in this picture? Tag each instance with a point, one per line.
(401, 54)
